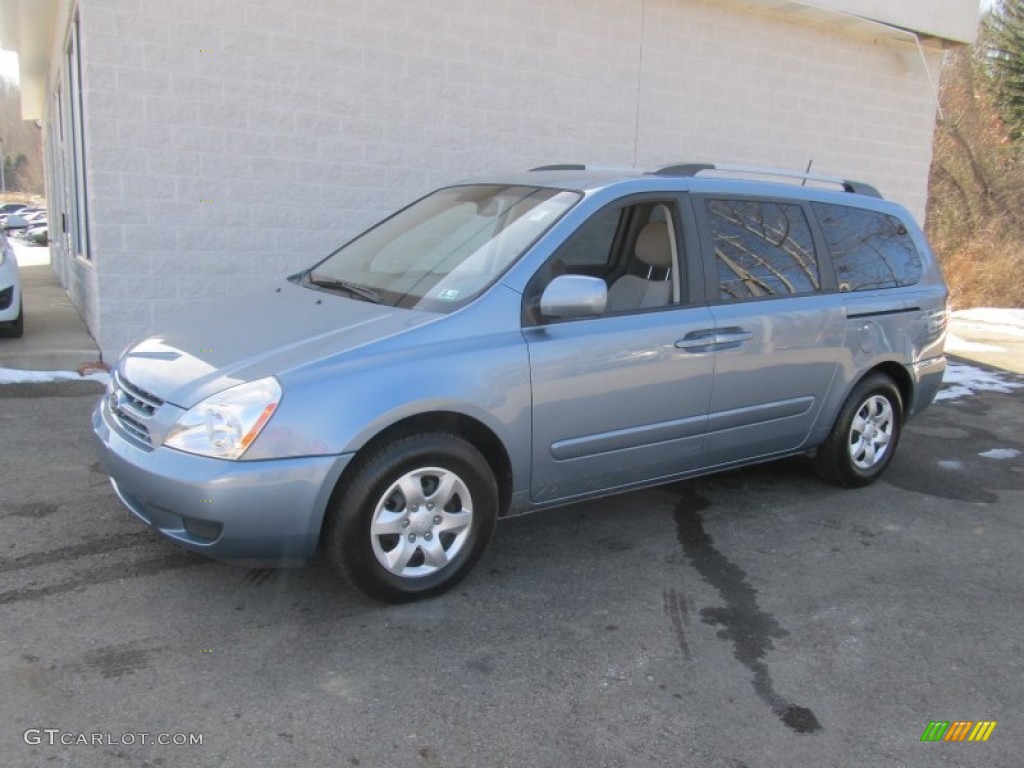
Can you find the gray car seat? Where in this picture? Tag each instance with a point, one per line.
(630, 292)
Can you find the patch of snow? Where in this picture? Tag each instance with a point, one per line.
(951, 464)
(963, 380)
(14, 376)
(955, 344)
(1001, 453)
(29, 255)
(999, 322)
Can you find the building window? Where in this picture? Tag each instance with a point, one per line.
(70, 173)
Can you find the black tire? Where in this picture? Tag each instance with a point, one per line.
(16, 328)
(851, 457)
(437, 546)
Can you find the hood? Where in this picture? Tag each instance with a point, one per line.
(262, 334)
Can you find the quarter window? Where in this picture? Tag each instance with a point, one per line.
(869, 249)
(591, 245)
(762, 249)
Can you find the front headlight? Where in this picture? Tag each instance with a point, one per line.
(225, 424)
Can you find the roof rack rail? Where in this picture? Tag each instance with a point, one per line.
(692, 169)
(560, 167)
(586, 167)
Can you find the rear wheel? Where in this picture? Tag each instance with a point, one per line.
(864, 438)
(414, 518)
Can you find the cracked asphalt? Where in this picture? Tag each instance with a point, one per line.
(753, 619)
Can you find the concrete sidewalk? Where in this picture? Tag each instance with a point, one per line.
(55, 337)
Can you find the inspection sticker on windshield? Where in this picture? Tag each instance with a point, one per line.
(449, 294)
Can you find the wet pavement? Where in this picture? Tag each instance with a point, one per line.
(756, 618)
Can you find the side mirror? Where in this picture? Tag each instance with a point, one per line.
(569, 296)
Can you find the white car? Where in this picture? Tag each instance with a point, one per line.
(12, 318)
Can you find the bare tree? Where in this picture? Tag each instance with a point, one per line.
(22, 144)
(976, 190)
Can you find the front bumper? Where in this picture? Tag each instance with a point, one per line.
(10, 292)
(259, 512)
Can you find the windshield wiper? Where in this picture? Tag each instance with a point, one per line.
(364, 293)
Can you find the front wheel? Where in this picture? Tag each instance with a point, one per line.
(864, 438)
(414, 518)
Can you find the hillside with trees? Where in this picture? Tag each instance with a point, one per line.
(21, 145)
(976, 190)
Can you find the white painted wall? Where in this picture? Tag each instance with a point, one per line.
(302, 122)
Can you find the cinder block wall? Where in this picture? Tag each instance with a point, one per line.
(755, 87)
(230, 143)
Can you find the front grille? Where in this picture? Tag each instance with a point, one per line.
(132, 427)
(141, 400)
(132, 407)
(6, 297)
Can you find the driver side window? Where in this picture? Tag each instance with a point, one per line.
(633, 248)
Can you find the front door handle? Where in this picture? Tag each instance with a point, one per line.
(732, 336)
(697, 341)
(710, 340)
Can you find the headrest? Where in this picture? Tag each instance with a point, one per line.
(653, 246)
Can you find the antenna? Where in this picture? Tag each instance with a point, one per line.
(807, 172)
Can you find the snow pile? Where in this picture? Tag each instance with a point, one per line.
(30, 255)
(13, 376)
(985, 324)
(955, 344)
(1002, 322)
(963, 380)
(1000, 454)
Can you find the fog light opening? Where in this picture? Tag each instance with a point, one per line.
(206, 530)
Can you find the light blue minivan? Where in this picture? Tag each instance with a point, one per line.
(514, 343)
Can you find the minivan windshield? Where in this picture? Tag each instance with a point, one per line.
(443, 250)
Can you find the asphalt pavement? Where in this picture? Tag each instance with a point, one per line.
(756, 619)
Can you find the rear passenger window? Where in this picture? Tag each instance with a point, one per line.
(762, 249)
(869, 249)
